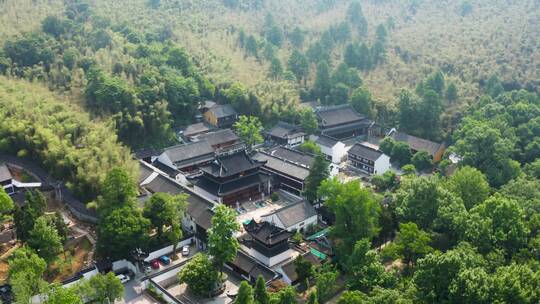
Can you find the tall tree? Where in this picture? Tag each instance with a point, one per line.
(164, 210)
(355, 15)
(102, 288)
(200, 275)
(26, 216)
(363, 268)
(26, 271)
(362, 101)
(249, 129)
(356, 213)
(57, 294)
(6, 203)
(222, 242)
(435, 273)
(308, 121)
(418, 200)
(498, 223)
(245, 294)
(276, 68)
(298, 64)
(411, 243)
(45, 240)
(317, 174)
(260, 294)
(470, 185)
(326, 283)
(322, 82)
(121, 231)
(297, 37)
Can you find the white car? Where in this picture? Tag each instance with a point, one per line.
(185, 250)
(123, 278)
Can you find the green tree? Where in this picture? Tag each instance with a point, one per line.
(355, 15)
(387, 145)
(298, 64)
(200, 275)
(102, 288)
(26, 271)
(252, 47)
(249, 129)
(260, 294)
(118, 190)
(313, 298)
(164, 210)
(297, 37)
(418, 200)
(409, 169)
(362, 101)
(435, 82)
(484, 148)
(45, 240)
(472, 285)
(325, 281)
(451, 92)
(352, 297)
(470, 185)
(310, 147)
(401, 153)
(437, 272)
(304, 268)
(516, 284)
(422, 160)
(245, 294)
(222, 243)
(381, 33)
(498, 222)
(308, 121)
(317, 174)
(322, 81)
(6, 204)
(363, 268)
(275, 35)
(54, 26)
(356, 214)
(26, 216)
(276, 68)
(121, 231)
(56, 294)
(411, 243)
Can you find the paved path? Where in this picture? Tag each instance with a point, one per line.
(48, 182)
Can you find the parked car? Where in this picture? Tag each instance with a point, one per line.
(164, 260)
(185, 250)
(155, 264)
(123, 278)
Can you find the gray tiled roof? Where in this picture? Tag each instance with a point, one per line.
(279, 165)
(337, 115)
(187, 151)
(223, 110)
(365, 152)
(327, 141)
(227, 165)
(285, 130)
(416, 143)
(196, 128)
(293, 214)
(219, 137)
(5, 174)
(294, 156)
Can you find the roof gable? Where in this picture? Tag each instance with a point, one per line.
(416, 143)
(5, 174)
(296, 213)
(188, 151)
(365, 152)
(224, 110)
(337, 115)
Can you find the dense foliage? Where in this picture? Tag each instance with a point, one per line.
(42, 126)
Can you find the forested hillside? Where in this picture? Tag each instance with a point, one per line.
(275, 48)
(38, 124)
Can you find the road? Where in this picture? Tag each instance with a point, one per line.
(48, 181)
